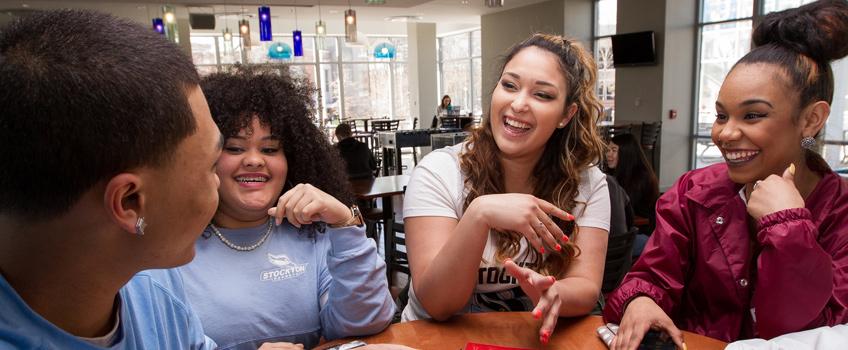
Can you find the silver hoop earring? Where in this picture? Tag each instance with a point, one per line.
(808, 142)
(140, 225)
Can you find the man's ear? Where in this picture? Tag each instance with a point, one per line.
(124, 200)
(814, 119)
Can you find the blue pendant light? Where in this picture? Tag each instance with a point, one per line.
(279, 51)
(159, 26)
(264, 23)
(384, 51)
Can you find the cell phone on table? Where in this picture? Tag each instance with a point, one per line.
(653, 340)
(657, 340)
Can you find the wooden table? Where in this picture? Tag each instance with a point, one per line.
(514, 329)
(383, 187)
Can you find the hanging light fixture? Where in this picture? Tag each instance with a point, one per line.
(170, 24)
(159, 26)
(350, 24)
(228, 36)
(297, 37)
(493, 3)
(264, 23)
(320, 26)
(244, 30)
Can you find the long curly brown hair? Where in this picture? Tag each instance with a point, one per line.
(568, 152)
(285, 104)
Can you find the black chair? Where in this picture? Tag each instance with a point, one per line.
(384, 125)
(650, 136)
(397, 259)
(621, 236)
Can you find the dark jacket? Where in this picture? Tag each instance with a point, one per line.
(702, 268)
(359, 159)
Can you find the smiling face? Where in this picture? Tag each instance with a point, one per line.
(528, 104)
(252, 169)
(756, 125)
(612, 156)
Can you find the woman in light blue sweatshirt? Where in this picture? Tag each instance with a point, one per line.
(285, 259)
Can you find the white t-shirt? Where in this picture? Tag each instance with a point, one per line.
(437, 188)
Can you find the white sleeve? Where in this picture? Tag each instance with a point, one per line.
(433, 187)
(593, 191)
(822, 338)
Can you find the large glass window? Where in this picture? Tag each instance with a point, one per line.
(605, 22)
(459, 71)
(724, 37)
(350, 82)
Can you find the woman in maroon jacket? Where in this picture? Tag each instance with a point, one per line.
(758, 246)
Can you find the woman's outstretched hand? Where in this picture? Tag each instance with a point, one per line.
(537, 286)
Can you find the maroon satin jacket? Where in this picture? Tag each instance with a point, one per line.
(709, 273)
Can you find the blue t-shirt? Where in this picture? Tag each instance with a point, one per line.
(293, 288)
(153, 315)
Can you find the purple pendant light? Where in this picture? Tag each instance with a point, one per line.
(264, 23)
(159, 26)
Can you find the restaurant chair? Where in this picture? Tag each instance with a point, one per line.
(385, 125)
(650, 136)
(622, 233)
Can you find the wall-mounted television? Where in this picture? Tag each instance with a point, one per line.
(633, 49)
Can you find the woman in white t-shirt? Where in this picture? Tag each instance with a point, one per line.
(487, 220)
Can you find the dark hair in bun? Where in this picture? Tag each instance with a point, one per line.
(803, 41)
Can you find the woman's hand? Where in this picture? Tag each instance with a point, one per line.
(305, 203)
(774, 194)
(641, 314)
(524, 214)
(281, 346)
(538, 287)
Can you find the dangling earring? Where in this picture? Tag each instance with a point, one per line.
(808, 142)
(140, 225)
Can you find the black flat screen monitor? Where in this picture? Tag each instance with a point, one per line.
(633, 49)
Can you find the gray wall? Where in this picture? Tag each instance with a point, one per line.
(422, 63)
(649, 93)
(678, 89)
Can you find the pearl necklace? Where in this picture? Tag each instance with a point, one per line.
(243, 248)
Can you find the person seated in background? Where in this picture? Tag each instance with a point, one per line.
(755, 247)
(490, 217)
(358, 158)
(627, 163)
(108, 169)
(441, 111)
(259, 280)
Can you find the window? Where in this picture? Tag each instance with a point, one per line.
(349, 81)
(725, 36)
(459, 71)
(605, 21)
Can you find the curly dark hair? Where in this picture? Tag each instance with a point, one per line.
(285, 104)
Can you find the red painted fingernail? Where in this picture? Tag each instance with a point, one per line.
(552, 278)
(537, 314)
(564, 239)
(544, 340)
(558, 248)
(570, 217)
(542, 250)
(546, 334)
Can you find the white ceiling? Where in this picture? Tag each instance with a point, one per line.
(449, 15)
